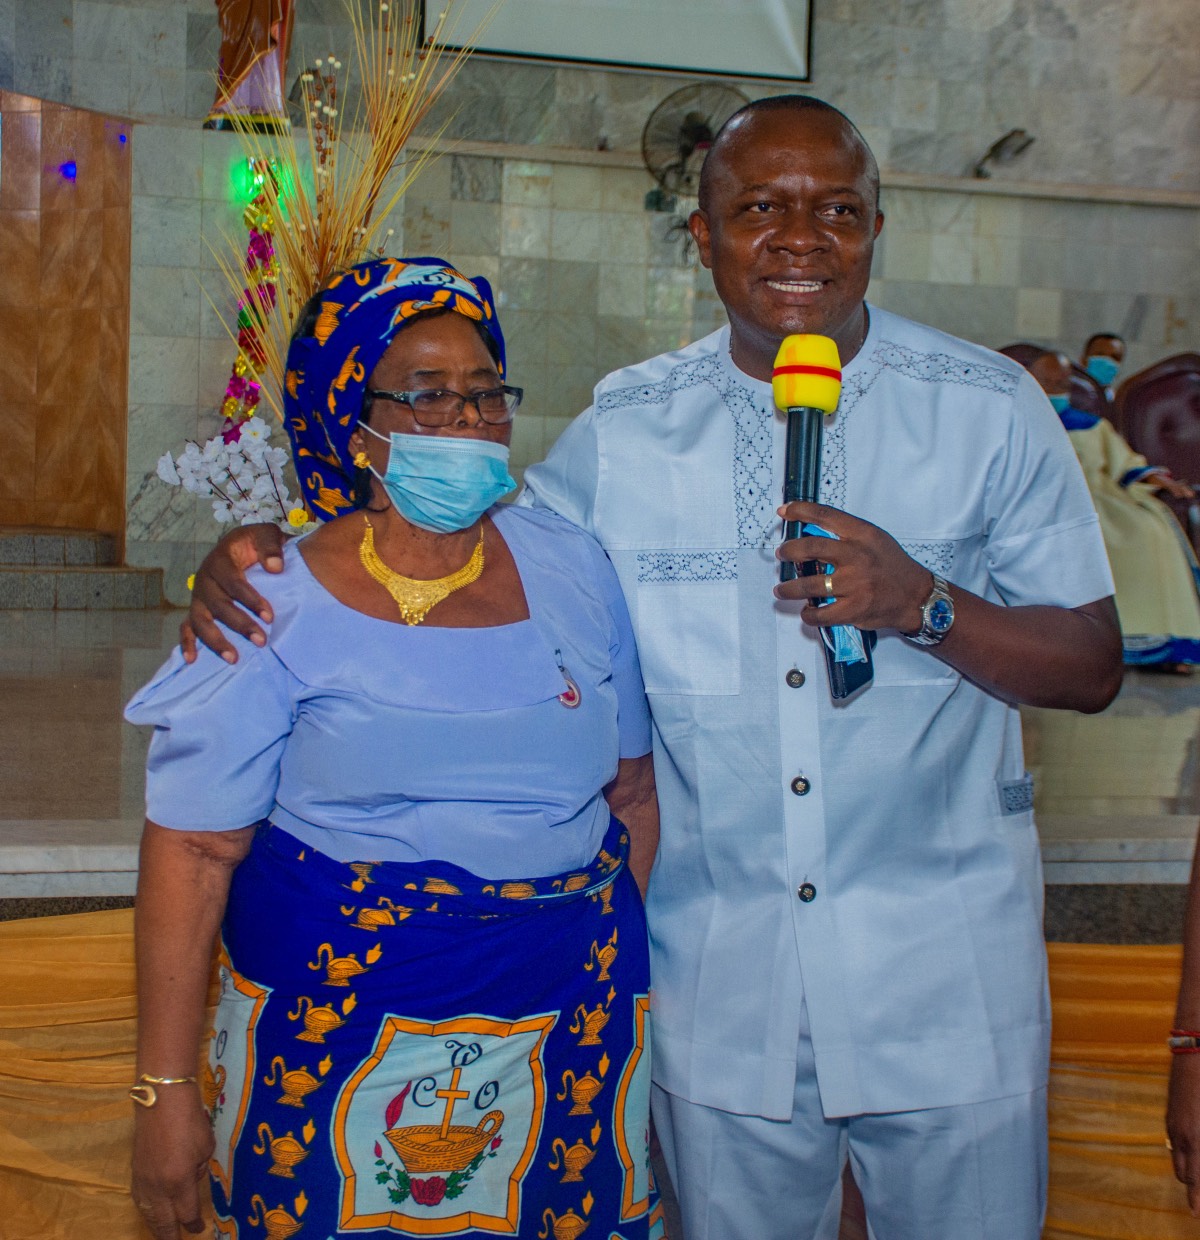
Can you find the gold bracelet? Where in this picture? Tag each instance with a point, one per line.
(144, 1093)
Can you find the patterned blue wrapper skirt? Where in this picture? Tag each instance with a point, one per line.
(411, 1050)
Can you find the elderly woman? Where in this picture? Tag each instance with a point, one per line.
(433, 962)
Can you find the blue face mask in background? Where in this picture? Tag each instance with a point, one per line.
(444, 483)
(1060, 402)
(1102, 369)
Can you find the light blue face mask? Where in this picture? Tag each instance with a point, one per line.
(1060, 402)
(444, 483)
(1102, 369)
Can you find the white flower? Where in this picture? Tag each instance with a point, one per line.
(244, 477)
(166, 470)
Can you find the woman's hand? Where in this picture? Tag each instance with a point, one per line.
(1172, 486)
(221, 585)
(1183, 1124)
(172, 1143)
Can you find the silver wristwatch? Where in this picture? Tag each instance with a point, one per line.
(937, 615)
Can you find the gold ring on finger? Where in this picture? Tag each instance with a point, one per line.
(829, 585)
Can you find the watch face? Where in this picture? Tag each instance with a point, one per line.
(941, 615)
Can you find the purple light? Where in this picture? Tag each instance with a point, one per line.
(67, 170)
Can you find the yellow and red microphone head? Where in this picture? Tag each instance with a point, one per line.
(808, 374)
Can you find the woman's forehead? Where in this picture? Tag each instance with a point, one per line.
(439, 343)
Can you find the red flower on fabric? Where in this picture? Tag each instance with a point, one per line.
(428, 1192)
(378, 1150)
(496, 1142)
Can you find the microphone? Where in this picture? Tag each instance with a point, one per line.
(806, 382)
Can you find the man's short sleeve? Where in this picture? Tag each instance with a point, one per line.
(1044, 544)
(566, 481)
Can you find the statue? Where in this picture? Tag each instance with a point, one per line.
(252, 64)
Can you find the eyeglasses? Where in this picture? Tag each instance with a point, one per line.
(438, 407)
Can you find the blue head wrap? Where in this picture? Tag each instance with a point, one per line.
(358, 313)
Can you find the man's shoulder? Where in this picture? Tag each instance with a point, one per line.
(658, 378)
(927, 354)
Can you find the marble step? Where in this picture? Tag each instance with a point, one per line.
(79, 588)
(94, 857)
(29, 547)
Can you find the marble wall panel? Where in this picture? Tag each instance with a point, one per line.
(167, 231)
(1039, 313)
(575, 236)
(523, 282)
(474, 228)
(475, 179)
(163, 370)
(621, 289)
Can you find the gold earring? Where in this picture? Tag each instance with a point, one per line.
(361, 460)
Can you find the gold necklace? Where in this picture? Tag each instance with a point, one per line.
(417, 598)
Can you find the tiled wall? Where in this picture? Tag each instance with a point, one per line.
(997, 269)
(64, 305)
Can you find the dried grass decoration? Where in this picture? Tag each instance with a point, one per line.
(311, 217)
(329, 220)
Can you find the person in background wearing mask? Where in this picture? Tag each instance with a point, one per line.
(1152, 563)
(1102, 358)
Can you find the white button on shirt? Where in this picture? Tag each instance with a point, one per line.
(899, 898)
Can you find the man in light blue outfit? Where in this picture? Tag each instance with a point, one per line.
(846, 910)
(845, 913)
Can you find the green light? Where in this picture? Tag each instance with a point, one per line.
(286, 182)
(246, 177)
(243, 181)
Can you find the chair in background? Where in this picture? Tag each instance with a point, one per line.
(1022, 352)
(1088, 395)
(1159, 413)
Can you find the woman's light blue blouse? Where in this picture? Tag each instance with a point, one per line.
(378, 741)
